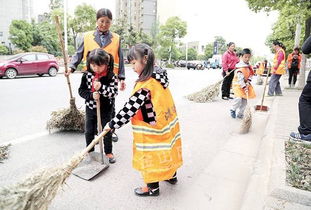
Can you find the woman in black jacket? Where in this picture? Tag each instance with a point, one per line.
(304, 104)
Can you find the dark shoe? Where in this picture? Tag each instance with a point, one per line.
(300, 137)
(173, 180)
(225, 98)
(240, 116)
(111, 158)
(230, 97)
(147, 191)
(115, 137)
(232, 113)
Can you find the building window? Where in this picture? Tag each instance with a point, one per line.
(1, 33)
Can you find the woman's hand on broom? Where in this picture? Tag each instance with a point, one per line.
(68, 72)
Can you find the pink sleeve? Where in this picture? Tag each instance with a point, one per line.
(225, 62)
(281, 57)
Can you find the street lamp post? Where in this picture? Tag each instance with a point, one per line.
(65, 25)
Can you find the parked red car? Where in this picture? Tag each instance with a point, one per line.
(29, 63)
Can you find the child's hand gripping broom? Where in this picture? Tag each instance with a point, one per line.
(70, 119)
(207, 94)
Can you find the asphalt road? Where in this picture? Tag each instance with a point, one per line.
(25, 107)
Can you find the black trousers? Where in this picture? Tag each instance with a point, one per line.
(292, 75)
(91, 128)
(226, 84)
(305, 110)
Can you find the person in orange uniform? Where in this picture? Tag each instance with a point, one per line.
(260, 71)
(242, 87)
(277, 70)
(103, 38)
(151, 109)
(293, 65)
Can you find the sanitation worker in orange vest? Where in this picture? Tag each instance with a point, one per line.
(260, 71)
(103, 38)
(277, 70)
(157, 142)
(242, 87)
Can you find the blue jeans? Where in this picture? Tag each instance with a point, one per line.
(274, 85)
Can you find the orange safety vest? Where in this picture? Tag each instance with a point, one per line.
(261, 69)
(290, 60)
(281, 69)
(157, 151)
(237, 90)
(113, 48)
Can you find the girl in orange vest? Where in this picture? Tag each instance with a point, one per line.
(99, 82)
(157, 142)
(242, 87)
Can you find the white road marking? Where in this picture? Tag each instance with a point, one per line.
(26, 138)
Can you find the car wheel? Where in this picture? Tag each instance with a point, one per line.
(1, 77)
(11, 73)
(40, 75)
(52, 71)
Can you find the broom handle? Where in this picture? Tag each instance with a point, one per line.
(264, 90)
(93, 143)
(60, 37)
(100, 129)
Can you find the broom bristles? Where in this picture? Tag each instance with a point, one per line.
(247, 121)
(37, 191)
(4, 152)
(71, 119)
(207, 94)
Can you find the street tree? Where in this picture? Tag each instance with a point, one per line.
(44, 34)
(303, 11)
(192, 54)
(221, 44)
(169, 35)
(209, 50)
(84, 20)
(21, 34)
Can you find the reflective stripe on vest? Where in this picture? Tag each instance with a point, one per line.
(157, 148)
(113, 48)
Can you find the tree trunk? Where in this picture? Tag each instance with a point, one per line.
(302, 76)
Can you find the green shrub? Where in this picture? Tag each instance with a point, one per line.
(170, 66)
(4, 50)
(38, 49)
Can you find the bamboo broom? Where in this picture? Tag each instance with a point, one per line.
(38, 190)
(207, 94)
(70, 119)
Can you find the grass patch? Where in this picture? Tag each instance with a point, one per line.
(298, 170)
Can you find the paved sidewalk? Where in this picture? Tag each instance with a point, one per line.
(268, 188)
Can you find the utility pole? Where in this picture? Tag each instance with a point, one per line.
(65, 26)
